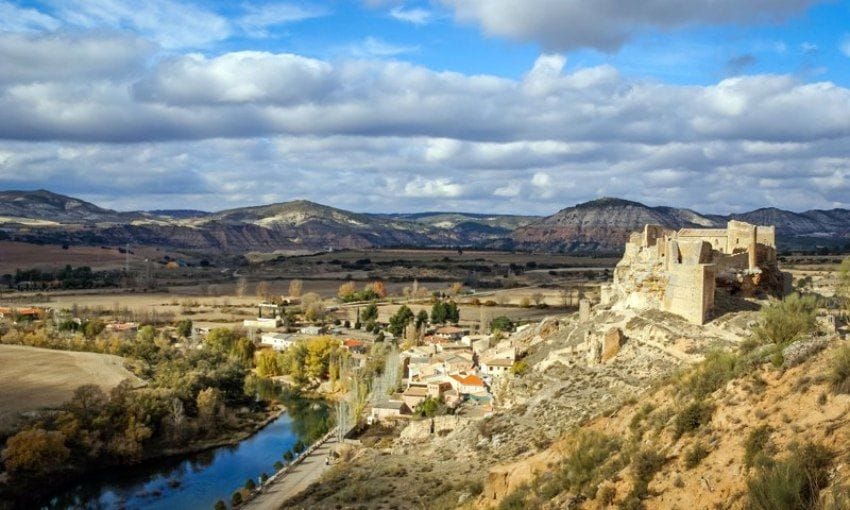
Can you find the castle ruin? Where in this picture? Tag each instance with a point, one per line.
(680, 271)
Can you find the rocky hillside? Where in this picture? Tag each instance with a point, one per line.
(598, 226)
(732, 432)
(46, 206)
(601, 225)
(604, 225)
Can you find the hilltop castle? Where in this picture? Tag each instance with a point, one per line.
(680, 271)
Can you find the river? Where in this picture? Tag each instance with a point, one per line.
(198, 480)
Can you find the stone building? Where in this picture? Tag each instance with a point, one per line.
(680, 271)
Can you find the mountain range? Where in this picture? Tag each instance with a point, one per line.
(598, 226)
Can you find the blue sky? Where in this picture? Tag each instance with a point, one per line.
(382, 105)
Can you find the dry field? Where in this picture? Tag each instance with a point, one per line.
(15, 255)
(33, 378)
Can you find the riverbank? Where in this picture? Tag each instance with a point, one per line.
(302, 472)
(64, 481)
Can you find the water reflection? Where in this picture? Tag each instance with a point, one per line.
(199, 480)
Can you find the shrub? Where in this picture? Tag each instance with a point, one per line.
(839, 375)
(718, 368)
(519, 368)
(220, 505)
(278, 465)
(695, 454)
(236, 498)
(264, 477)
(250, 485)
(784, 321)
(755, 446)
(692, 417)
(582, 467)
(793, 483)
(644, 466)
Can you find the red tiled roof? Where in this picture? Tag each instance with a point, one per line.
(468, 380)
(350, 342)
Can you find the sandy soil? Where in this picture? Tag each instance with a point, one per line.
(33, 378)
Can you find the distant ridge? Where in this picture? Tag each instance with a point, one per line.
(596, 226)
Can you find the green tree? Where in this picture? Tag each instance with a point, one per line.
(220, 505)
(400, 320)
(421, 318)
(370, 313)
(501, 323)
(438, 313)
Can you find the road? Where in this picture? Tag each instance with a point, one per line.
(298, 478)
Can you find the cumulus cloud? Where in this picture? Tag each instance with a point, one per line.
(415, 138)
(607, 24)
(236, 78)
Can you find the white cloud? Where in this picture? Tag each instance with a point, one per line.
(238, 77)
(541, 180)
(372, 47)
(416, 138)
(258, 19)
(607, 24)
(22, 19)
(415, 16)
(171, 24)
(433, 188)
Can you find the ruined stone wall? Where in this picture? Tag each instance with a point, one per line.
(690, 291)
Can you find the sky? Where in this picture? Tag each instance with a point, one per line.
(494, 106)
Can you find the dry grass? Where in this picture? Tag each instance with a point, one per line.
(33, 378)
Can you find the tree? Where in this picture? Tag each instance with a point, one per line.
(379, 289)
(250, 484)
(400, 320)
(347, 290)
(421, 318)
(220, 505)
(315, 311)
(295, 287)
(456, 288)
(210, 406)
(236, 498)
(438, 313)
(267, 364)
(309, 298)
(370, 313)
(35, 452)
(501, 324)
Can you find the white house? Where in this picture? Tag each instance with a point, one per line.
(277, 341)
(495, 367)
(311, 330)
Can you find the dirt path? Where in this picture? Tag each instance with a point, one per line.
(294, 481)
